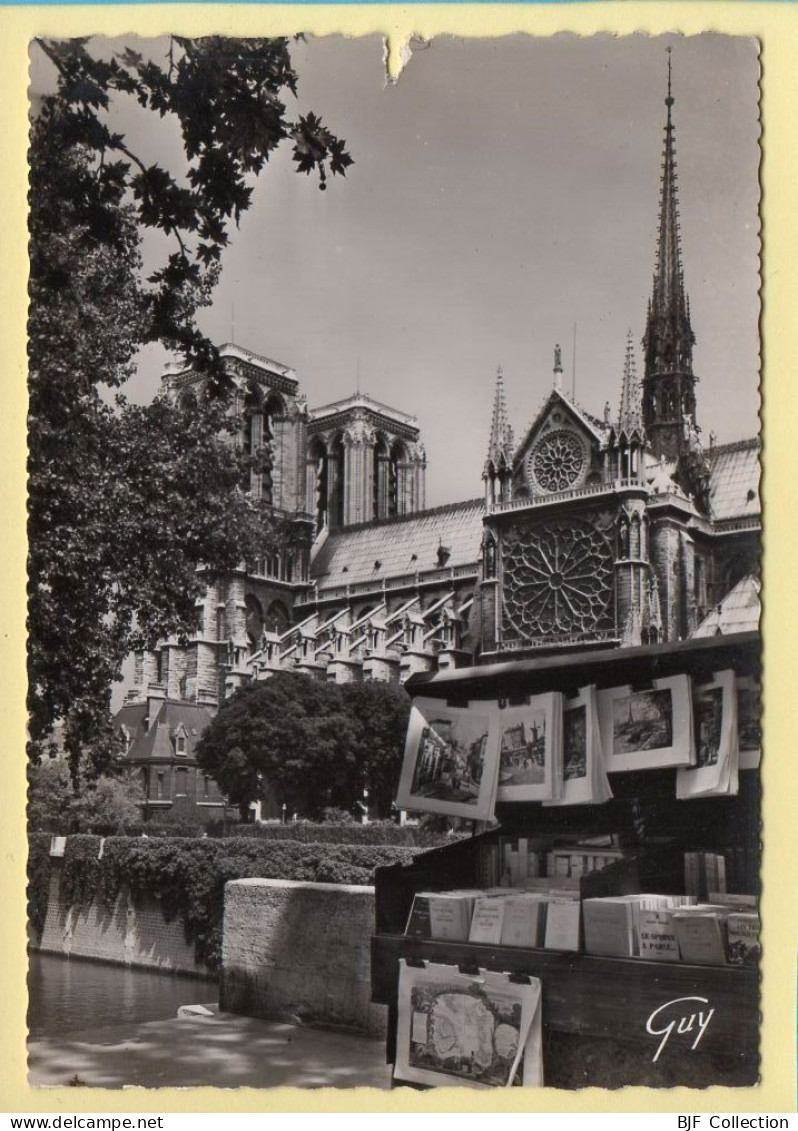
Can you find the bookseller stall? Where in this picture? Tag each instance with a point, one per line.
(599, 926)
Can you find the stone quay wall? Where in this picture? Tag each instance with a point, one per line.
(131, 934)
(300, 952)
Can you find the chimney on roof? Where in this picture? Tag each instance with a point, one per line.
(155, 699)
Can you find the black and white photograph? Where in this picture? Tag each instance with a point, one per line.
(574, 743)
(530, 759)
(523, 751)
(708, 720)
(479, 1031)
(648, 727)
(370, 418)
(450, 760)
(749, 722)
(642, 721)
(717, 743)
(584, 772)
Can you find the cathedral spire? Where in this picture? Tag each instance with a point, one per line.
(669, 382)
(497, 471)
(668, 297)
(630, 419)
(500, 439)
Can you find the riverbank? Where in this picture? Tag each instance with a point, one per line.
(219, 1051)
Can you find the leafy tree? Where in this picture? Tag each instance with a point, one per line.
(381, 712)
(227, 97)
(126, 501)
(54, 805)
(110, 803)
(290, 733)
(316, 744)
(50, 796)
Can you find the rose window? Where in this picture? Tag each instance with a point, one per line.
(558, 461)
(558, 580)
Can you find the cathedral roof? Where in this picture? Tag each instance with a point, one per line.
(734, 480)
(398, 547)
(739, 611)
(364, 402)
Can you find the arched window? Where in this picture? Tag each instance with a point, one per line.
(489, 557)
(634, 537)
(273, 408)
(277, 619)
(254, 621)
(318, 483)
(380, 474)
(336, 471)
(251, 432)
(398, 456)
(623, 538)
(187, 401)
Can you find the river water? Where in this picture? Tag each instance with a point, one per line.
(66, 995)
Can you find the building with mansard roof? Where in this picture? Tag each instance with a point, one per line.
(622, 528)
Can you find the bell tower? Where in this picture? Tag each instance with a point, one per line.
(669, 402)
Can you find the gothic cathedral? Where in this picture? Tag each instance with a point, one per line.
(625, 528)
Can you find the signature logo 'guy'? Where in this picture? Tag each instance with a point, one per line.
(658, 1024)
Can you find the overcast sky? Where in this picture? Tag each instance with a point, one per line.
(502, 191)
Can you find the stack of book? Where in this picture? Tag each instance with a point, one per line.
(521, 862)
(704, 872)
(442, 915)
(672, 928)
(628, 926)
(501, 917)
(655, 927)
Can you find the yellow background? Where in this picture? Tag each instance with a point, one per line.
(776, 25)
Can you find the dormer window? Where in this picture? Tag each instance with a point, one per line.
(126, 737)
(181, 747)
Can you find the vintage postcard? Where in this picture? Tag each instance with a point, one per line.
(450, 760)
(642, 730)
(749, 722)
(716, 740)
(338, 385)
(585, 779)
(468, 1030)
(530, 759)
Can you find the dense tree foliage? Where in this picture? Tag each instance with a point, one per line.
(55, 806)
(126, 501)
(316, 745)
(381, 712)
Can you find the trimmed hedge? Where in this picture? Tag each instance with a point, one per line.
(306, 832)
(187, 876)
